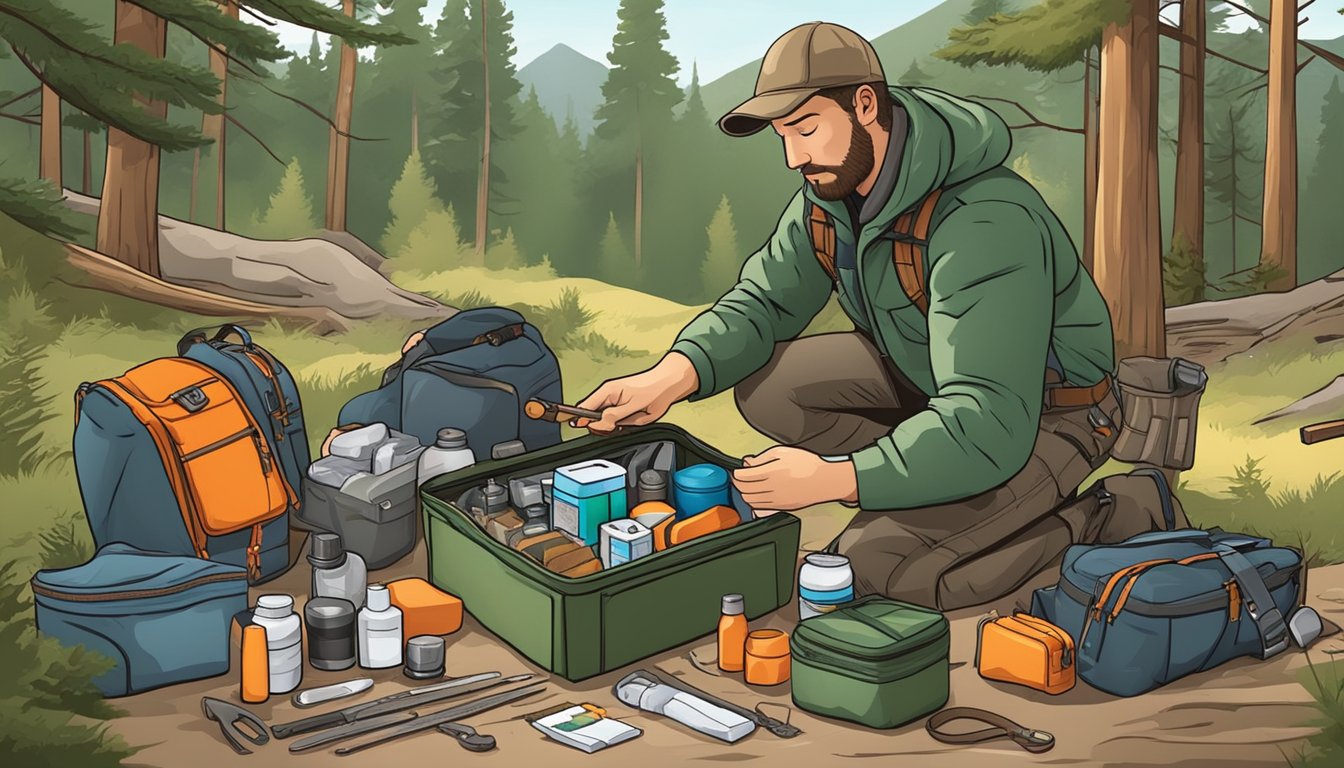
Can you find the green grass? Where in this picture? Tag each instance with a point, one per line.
(1326, 684)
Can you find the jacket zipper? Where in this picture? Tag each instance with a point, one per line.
(137, 594)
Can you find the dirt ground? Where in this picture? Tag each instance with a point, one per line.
(1246, 712)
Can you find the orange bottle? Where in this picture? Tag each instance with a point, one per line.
(256, 672)
(732, 634)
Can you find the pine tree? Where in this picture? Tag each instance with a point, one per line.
(915, 75)
(434, 245)
(1231, 171)
(983, 9)
(411, 200)
(290, 214)
(1322, 226)
(615, 265)
(695, 113)
(1183, 275)
(309, 78)
(723, 260)
(454, 116)
(638, 95)
(503, 253)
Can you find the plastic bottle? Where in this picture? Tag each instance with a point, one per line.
(337, 573)
(732, 634)
(284, 641)
(379, 630)
(825, 582)
(255, 685)
(448, 453)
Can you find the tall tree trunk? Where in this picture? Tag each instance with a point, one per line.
(214, 127)
(86, 179)
(195, 175)
(129, 212)
(483, 179)
(338, 149)
(1089, 165)
(639, 206)
(1128, 266)
(1279, 221)
(1236, 190)
(1188, 217)
(49, 154)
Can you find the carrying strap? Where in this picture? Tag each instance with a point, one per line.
(425, 349)
(1163, 492)
(909, 236)
(1259, 604)
(1030, 739)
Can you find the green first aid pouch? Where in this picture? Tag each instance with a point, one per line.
(877, 662)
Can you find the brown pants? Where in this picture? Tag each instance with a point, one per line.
(834, 394)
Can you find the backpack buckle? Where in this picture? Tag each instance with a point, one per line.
(192, 399)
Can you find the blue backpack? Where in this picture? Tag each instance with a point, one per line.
(473, 371)
(1166, 604)
(162, 467)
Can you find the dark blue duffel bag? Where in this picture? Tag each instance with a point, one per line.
(474, 371)
(161, 618)
(1163, 605)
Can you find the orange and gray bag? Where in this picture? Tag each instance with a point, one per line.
(1159, 402)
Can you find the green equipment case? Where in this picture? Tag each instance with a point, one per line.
(585, 626)
(878, 662)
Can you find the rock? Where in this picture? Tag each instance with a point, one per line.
(1325, 403)
(319, 271)
(1212, 331)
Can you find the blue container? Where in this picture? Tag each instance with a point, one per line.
(586, 495)
(162, 618)
(697, 488)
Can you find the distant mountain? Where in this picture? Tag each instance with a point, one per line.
(566, 79)
(916, 38)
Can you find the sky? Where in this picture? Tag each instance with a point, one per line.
(718, 35)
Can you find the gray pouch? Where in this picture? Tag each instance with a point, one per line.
(1159, 402)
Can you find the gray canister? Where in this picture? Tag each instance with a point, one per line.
(424, 657)
(330, 623)
(652, 485)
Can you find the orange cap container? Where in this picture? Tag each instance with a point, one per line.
(767, 657)
(256, 666)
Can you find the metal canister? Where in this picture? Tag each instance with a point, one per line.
(330, 623)
(825, 582)
(652, 486)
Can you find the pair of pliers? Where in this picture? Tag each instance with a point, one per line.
(228, 715)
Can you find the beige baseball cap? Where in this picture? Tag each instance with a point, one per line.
(804, 60)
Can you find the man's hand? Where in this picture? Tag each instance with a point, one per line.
(642, 398)
(784, 479)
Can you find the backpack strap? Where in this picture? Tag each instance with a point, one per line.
(821, 230)
(1260, 606)
(910, 234)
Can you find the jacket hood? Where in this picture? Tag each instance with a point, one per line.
(949, 140)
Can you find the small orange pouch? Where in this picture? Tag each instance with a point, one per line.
(425, 609)
(669, 533)
(1025, 650)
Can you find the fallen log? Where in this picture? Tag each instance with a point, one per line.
(108, 274)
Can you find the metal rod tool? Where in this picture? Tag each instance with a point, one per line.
(467, 737)
(396, 702)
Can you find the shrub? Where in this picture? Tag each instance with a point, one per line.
(434, 246)
(291, 211)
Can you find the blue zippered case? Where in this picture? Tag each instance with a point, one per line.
(162, 618)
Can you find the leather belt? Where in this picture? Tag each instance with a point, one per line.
(1001, 727)
(1062, 396)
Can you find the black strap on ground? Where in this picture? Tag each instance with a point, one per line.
(1001, 727)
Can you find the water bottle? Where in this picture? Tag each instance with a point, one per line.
(448, 453)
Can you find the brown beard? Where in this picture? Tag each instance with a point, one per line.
(851, 172)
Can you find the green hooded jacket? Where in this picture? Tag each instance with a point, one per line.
(1005, 289)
